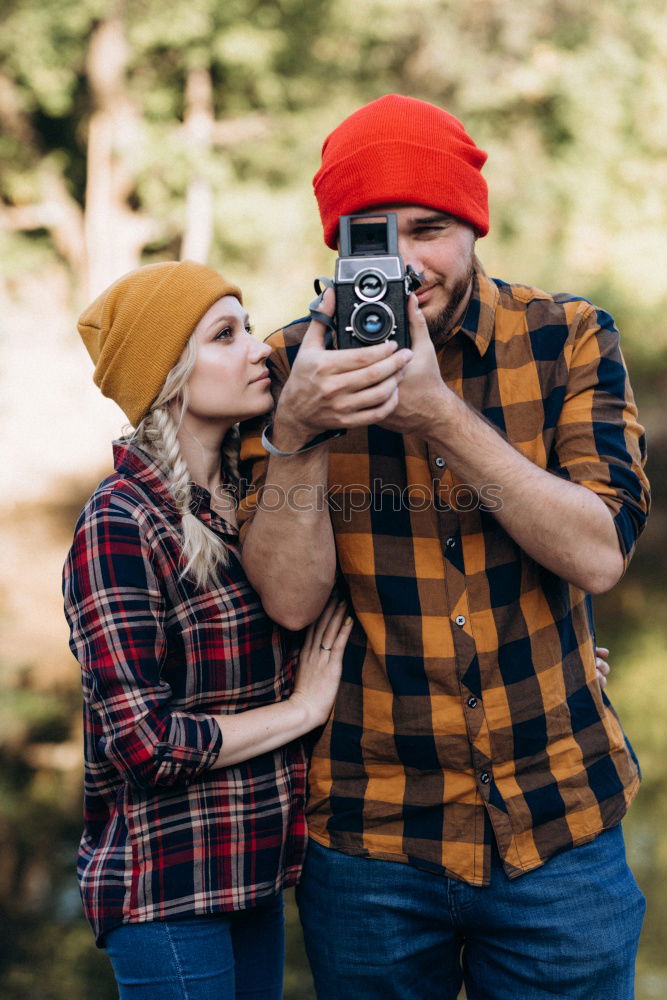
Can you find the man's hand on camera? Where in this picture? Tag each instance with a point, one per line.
(330, 390)
(422, 389)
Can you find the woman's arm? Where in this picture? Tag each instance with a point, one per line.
(116, 614)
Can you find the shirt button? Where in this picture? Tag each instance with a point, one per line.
(440, 462)
(484, 777)
(472, 701)
(460, 620)
(450, 543)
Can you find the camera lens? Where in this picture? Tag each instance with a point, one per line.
(370, 285)
(373, 322)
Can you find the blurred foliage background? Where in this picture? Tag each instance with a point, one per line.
(154, 129)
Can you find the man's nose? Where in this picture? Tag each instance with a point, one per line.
(410, 254)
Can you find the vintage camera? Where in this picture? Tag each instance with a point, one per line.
(372, 285)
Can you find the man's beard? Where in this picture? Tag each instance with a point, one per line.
(439, 327)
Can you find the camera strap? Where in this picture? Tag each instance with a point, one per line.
(321, 284)
(269, 446)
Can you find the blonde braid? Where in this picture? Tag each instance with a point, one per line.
(204, 552)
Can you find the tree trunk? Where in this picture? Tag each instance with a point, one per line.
(114, 235)
(199, 123)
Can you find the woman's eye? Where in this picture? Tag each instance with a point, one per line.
(224, 334)
(249, 328)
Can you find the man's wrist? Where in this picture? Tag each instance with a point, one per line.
(315, 442)
(445, 416)
(288, 434)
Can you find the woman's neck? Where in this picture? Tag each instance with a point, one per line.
(200, 443)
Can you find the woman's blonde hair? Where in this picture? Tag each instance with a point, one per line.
(204, 552)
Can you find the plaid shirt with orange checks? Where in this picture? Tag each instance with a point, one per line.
(469, 708)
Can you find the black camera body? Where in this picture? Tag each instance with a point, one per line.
(372, 285)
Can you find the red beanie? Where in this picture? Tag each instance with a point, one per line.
(400, 151)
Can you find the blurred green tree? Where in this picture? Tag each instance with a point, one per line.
(148, 129)
(113, 122)
(121, 130)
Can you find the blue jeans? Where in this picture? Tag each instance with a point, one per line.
(380, 930)
(222, 957)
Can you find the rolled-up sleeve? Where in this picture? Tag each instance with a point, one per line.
(116, 612)
(599, 442)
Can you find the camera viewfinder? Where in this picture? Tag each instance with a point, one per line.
(369, 237)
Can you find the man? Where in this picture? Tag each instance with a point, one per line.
(466, 793)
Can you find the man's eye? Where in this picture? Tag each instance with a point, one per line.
(224, 334)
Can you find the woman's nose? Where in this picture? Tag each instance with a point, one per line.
(259, 351)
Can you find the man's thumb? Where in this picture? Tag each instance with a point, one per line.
(418, 328)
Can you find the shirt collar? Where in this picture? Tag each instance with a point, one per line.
(478, 321)
(132, 461)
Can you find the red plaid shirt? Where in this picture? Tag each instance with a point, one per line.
(165, 836)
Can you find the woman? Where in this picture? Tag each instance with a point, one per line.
(194, 773)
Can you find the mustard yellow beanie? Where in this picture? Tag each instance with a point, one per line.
(136, 330)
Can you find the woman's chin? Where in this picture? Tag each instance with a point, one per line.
(262, 408)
